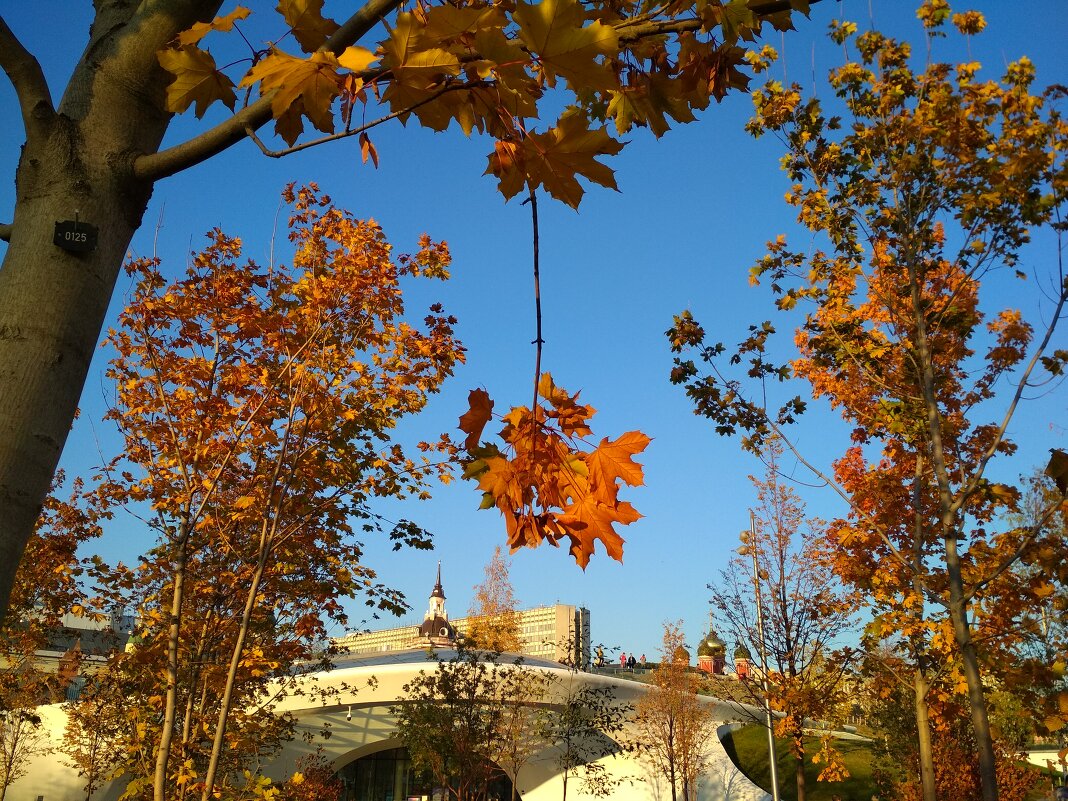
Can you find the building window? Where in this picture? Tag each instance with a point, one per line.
(388, 776)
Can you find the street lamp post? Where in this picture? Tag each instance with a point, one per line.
(768, 721)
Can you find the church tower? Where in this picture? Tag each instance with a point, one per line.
(436, 628)
(712, 651)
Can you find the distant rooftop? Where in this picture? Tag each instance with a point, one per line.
(414, 655)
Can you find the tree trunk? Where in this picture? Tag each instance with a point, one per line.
(236, 656)
(919, 678)
(962, 633)
(958, 607)
(799, 764)
(77, 164)
(174, 632)
(923, 736)
(671, 759)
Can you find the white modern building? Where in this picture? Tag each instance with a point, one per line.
(363, 747)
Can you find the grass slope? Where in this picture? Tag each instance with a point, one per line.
(748, 747)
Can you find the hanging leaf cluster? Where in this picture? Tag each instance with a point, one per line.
(546, 482)
(487, 67)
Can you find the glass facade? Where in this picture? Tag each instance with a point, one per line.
(388, 776)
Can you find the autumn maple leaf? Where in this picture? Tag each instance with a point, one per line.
(553, 30)
(548, 486)
(475, 418)
(612, 460)
(196, 80)
(590, 519)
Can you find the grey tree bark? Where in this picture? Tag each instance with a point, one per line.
(78, 162)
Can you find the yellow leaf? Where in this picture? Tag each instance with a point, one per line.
(313, 82)
(553, 31)
(310, 27)
(356, 58)
(419, 71)
(196, 80)
(244, 502)
(202, 29)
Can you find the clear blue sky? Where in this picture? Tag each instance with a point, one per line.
(692, 215)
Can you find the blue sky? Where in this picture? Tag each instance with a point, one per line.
(693, 213)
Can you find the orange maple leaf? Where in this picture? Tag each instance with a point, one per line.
(612, 459)
(202, 29)
(553, 159)
(310, 27)
(475, 418)
(589, 519)
(550, 487)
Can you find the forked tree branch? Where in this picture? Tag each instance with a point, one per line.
(25, 74)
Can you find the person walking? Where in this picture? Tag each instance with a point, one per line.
(623, 661)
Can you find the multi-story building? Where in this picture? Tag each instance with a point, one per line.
(560, 632)
(71, 651)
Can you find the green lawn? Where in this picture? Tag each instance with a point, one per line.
(748, 747)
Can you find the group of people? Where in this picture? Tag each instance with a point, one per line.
(625, 662)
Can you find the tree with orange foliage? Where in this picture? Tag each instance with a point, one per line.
(256, 405)
(673, 725)
(938, 180)
(805, 610)
(494, 624)
(48, 585)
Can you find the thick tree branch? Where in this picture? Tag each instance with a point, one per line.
(25, 74)
(208, 144)
(5, 232)
(212, 142)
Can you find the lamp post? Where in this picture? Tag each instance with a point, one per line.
(768, 721)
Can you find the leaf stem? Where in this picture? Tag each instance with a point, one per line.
(538, 340)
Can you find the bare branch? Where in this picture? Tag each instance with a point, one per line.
(966, 492)
(5, 232)
(277, 154)
(25, 74)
